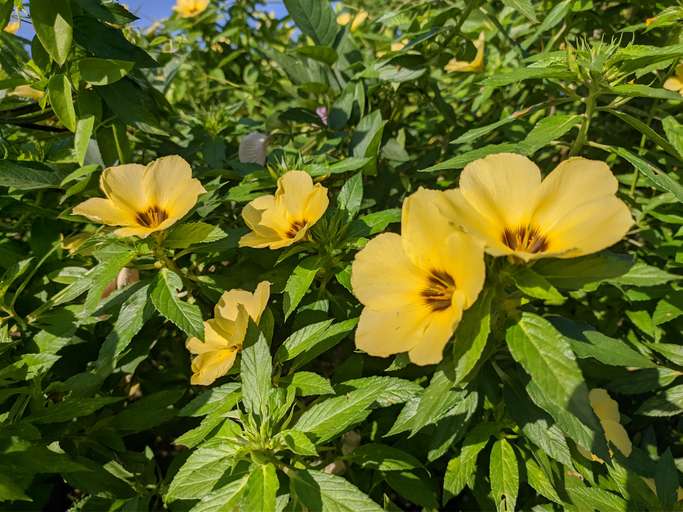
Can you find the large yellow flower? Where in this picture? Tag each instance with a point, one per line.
(415, 286)
(675, 83)
(607, 411)
(189, 8)
(284, 218)
(476, 65)
(224, 333)
(572, 212)
(144, 199)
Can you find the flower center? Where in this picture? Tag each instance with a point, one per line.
(439, 290)
(525, 239)
(151, 217)
(295, 227)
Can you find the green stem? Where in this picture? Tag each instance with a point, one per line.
(585, 125)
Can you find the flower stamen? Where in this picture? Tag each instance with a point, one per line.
(525, 238)
(295, 227)
(439, 290)
(151, 217)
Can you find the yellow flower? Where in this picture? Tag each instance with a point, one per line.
(189, 8)
(284, 218)
(572, 212)
(12, 27)
(26, 91)
(224, 334)
(476, 65)
(607, 411)
(675, 83)
(356, 21)
(415, 285)
(144, 199)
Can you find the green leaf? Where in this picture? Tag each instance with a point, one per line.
(471, 336)
(413, 487)
(642, 274)
(70, 409)
(12, 274)
(315, 18)
(298, 283)
(535, 285)
(644, 91)
(165, 298)
(555, 72)
(103, 71)
(261, 489)
(504, 475)
(460, 470)
(523, 6)
(255, 371)
(383, 458)
(302, 340)
(329, 493)
(575, 273)
(674, 132)
(226, 497)
(540, 482)
(207, 401)
(112, 259)
(323, 342)
(350, 196)
(658, 178)
(367, 137)
(393, 390)
(309, 384)
(28, 175)
(475, 134)
(647, 131)
(666, 403)
(201, 471)
(59, 93)
(190, 233)
(11, 490)
(297, 442)
(546, 356)
(89, 110)
(324, 54)
(54, 27)
(666, 480)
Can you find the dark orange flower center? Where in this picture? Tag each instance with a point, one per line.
(151, 217)
(525, 238)
(439, 290)
(295, 227)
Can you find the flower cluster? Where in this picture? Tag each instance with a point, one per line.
(415, 286)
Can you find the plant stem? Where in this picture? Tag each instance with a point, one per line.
(585, 125)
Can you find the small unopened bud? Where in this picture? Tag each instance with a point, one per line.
(338, 467)
(350, 441)
(253, 148)
(125, 277)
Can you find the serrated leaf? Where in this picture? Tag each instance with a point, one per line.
(298, 284)
(329, 493)
(255, 371)
(471, 336)
(226, 498)
(523, 6)
(190, 233)
(535, 285)
(309, 383)
(666, 403)
(572, 274)
(383, 458)
(207, 401)
(504, 475)
(201, 471)
(164, 295)
(297, 442)
(260, 490)
(350, 196)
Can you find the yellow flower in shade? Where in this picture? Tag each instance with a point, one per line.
(144, 199)
(26, 91)
(675, 83)
(190, 8)
(356, 21)
(12, 27)
(284, 218)
(415, 285)
(572, 212)
(224, 333)
(476, 65)
(607, 411)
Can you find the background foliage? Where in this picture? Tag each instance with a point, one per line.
(96, 409)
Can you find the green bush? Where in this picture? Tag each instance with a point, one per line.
(412, 321)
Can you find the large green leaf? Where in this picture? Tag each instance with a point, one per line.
(504, 475)
(59, 92)
(315, 18)
(261, 488)
(201, 471)
(298, 283)
(322, 492)
(54, 27)
(164, 295)
(255, 371)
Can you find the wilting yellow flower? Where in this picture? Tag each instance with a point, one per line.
(189, 8)
(12, 27)
(476, 65)
(224, 334)
(356, 21)
(415, 285)
(144, 199)
(607, 411)
(572, 212)
(675, 83)
(26, 91)
(284, 218)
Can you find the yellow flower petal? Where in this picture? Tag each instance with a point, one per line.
(617, 435)
(294, 188)
(383, 332)
(215, 339)
(138, 231)
(104, 211)
(12, 27)
(189, 8)
(317, 204)
(234, 309)
(673, 83)
(258, 240)
(124, 186)
(476, 65)
(169, 184)
(464, 260)
(359, 19)
(437, 332)
(344, 18)
(382, 276)
(209, 366)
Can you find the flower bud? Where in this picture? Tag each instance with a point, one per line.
(253, 148)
